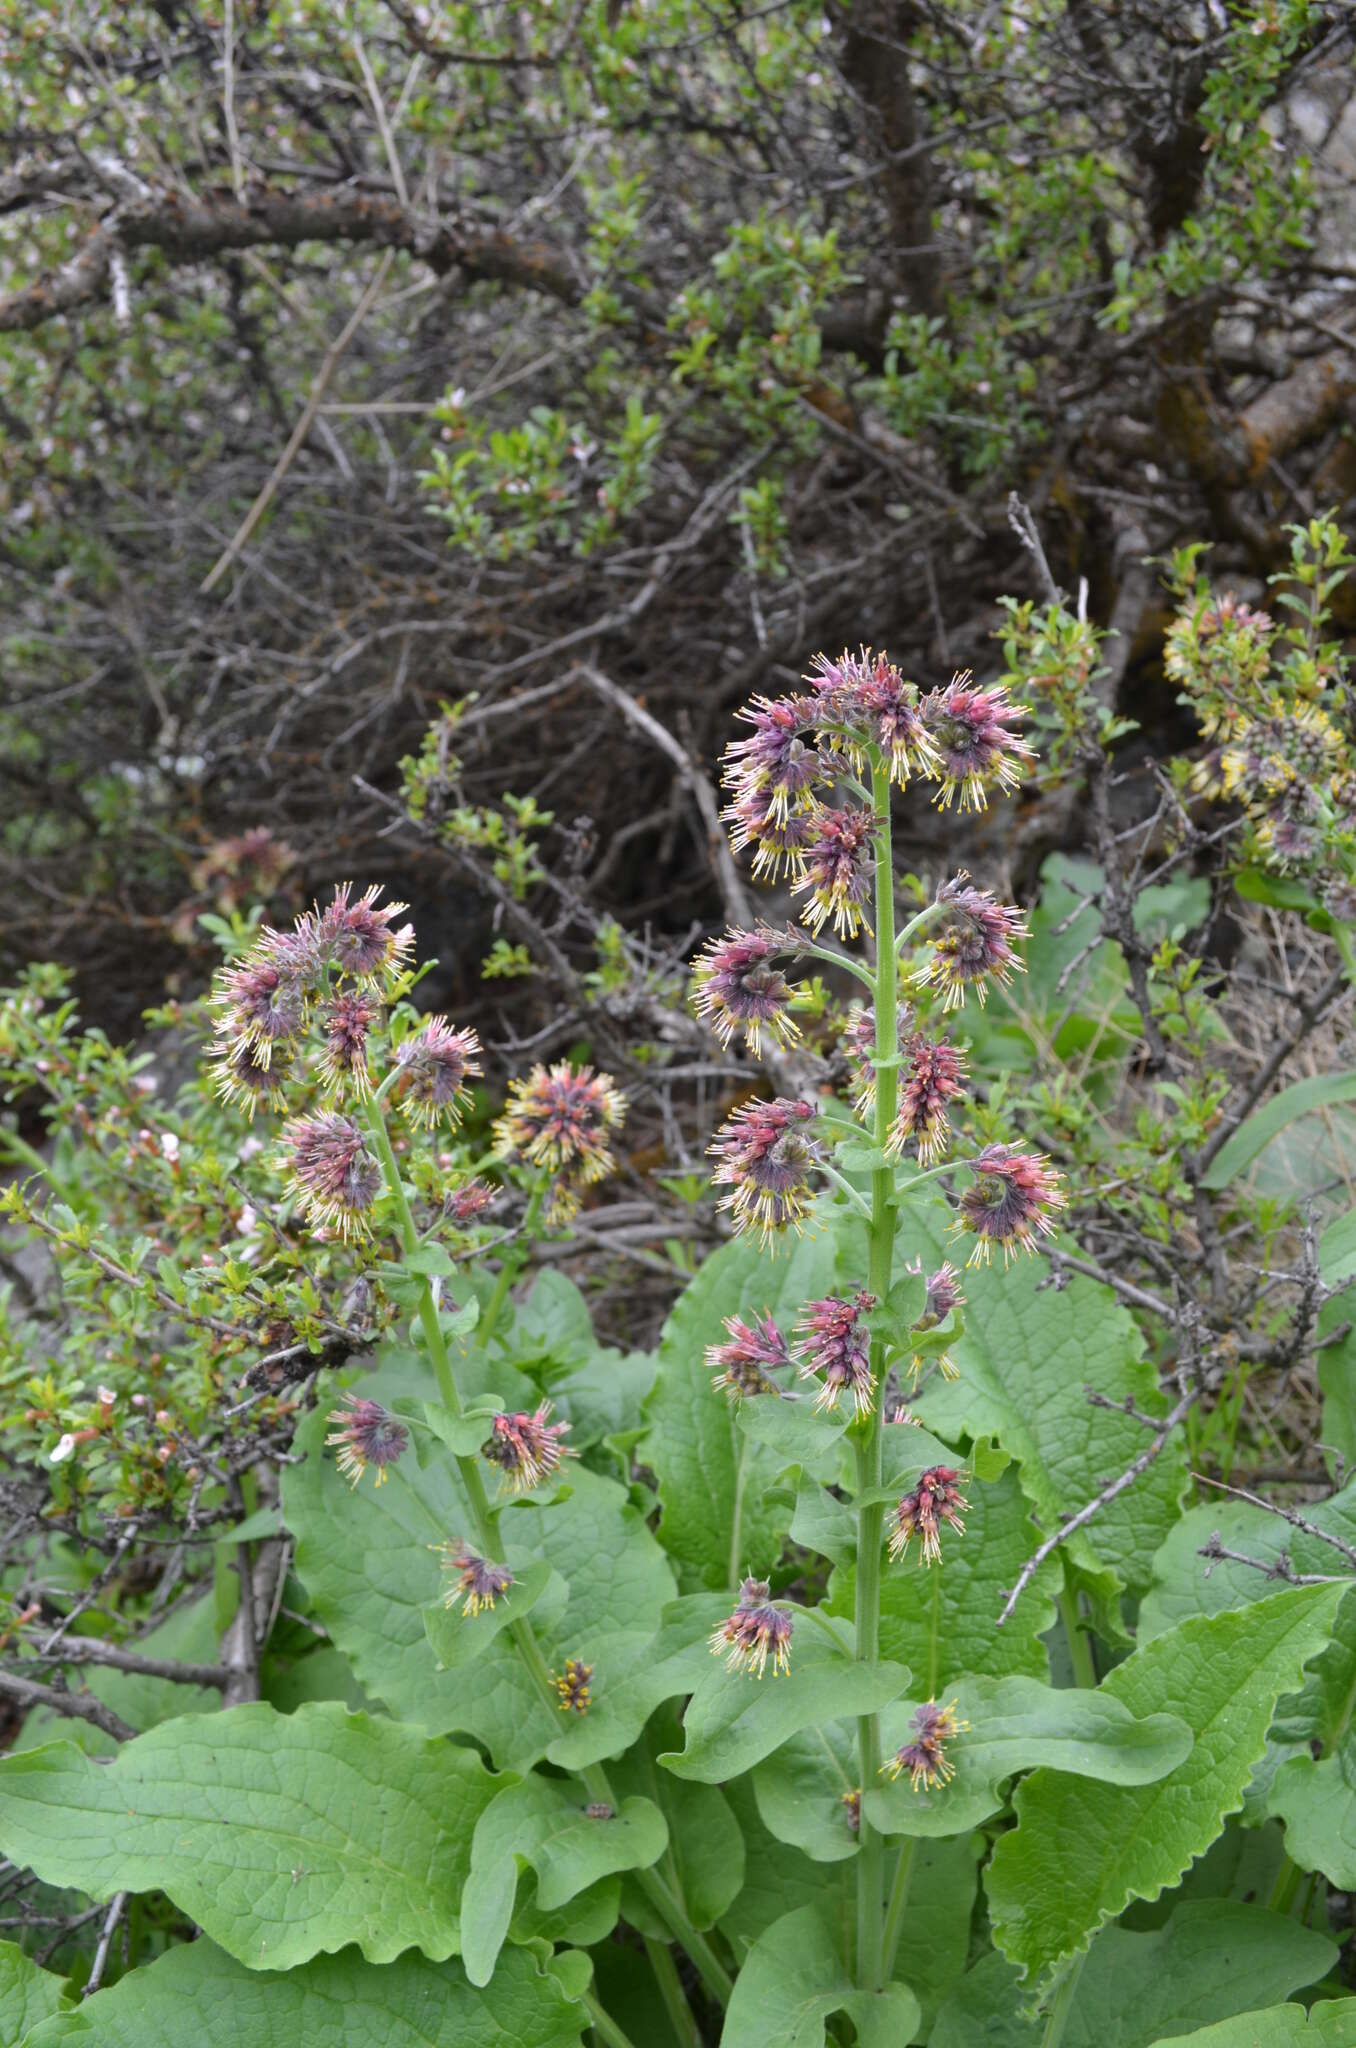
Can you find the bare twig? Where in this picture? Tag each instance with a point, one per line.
(106, 1933)
(1296, 1520)
(1022, 520)
(1278, 1567)
(75, 1706)
(1099, 1501)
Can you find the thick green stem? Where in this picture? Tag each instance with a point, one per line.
(515, 1258)
(680, 2013)
(595, 1778)
(870, 1519)
(899, 1899)
(1058, 2017)
(1076, 1636)
(603, 2024)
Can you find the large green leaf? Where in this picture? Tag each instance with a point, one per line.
(1213, 1958)
(1082, 1851)
(282, 1835)
(705, 1860)
(1330, 2025)
(734, 1720)
(1017, 1724)
(544, 1824)
(794, 1979)
(940, 1620)
(27, 1994)
(1309, 1768)
(1027, 1356)
(1256, 1132)
(550, 1336)
(711, 1475)
(802, 1786)
(199, 1995)
(366, 1560)
(1014, 1724)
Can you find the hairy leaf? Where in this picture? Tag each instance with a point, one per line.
(1081, 1851)
(705, 1861)
(282, 1835)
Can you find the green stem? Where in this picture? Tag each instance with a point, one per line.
(870, 1518)
(604, 2026)
(899, 1899)
(1286, 1885)
(916, 925)
(1076, 1636)
(671, 1991)
(514, 1259)
(595, 1778)
(737, 1517)
(1058, 2017)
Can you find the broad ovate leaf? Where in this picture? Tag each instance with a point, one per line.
(548, 1825)
(27, 1994)
(368, 1558)
(940, 1619)
(794, 1979)
(1213, 1958)
(733, 1720)
(281, 1835)
(1081, 1851)
(712, 1474)
(200, 1995)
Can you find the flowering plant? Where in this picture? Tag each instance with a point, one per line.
(673, 1695)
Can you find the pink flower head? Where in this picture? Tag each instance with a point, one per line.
(434, 1063)
(526, 1448)
(858, 1043)
(263, 998)
(573, 1686)
(755, 1631)
(356, 937)
(777, 843)
(347, 1021)
(837, 867)
(835, 1348)
(764, 1154)
(1012, 1196)
(937, 1498)
(973, 945)
(933, 1077)
(977, 750)
(750, 1356)
(370, 1435)
(867, 696)
(332, 1172)
(924, 1758)
(468, 1202)
(476, 1577)
(775, 763)
(559, 1118)
(943, 1295)
(738, 986)
(249, 1079)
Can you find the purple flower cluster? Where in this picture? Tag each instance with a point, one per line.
(755, 1631)
(764, 1154)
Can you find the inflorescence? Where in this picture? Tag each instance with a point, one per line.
(755, 1631)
